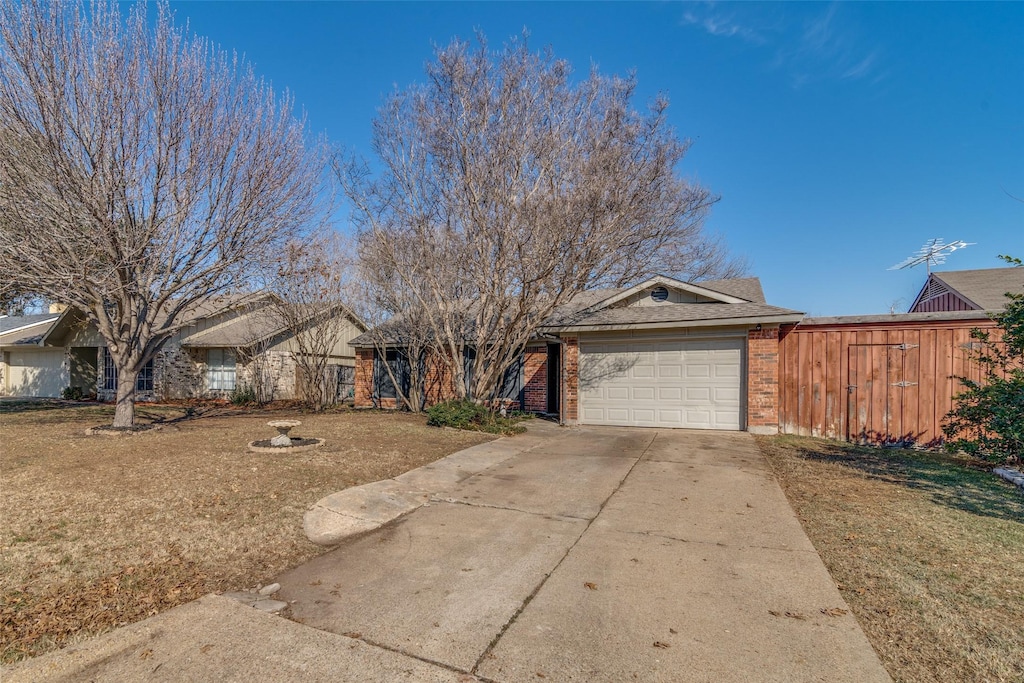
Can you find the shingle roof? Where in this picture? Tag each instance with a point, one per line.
(13, 322)
(676, 313)
(748, 288)
(985, 287)
(22, 330)
(244, 330)
(583, 310)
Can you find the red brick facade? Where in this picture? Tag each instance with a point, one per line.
(570, 379)
(763, 380)
(535, 379)
(364, 378)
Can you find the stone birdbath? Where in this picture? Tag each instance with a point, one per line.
(282, 427)
(283, 442)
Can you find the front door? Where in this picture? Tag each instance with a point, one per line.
(554, 377)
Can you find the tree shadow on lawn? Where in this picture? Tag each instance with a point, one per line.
(948, 481)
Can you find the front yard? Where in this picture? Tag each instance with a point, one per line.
(928, 552)
(100, 531)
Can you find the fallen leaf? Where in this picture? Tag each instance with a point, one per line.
(661, 645)
(672, 630)
(590, 585)
(833, 611)
(540, 675)
(206, 648)
(352, 634)
(791, 615)
(145, 654)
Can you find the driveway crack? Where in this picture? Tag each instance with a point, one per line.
(529, 598)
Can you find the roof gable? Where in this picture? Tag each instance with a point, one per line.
(982, 289)
(698, 292)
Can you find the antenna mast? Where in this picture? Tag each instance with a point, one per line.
(933, 253)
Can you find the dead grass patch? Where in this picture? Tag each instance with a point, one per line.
(928, 551)
(100, 532)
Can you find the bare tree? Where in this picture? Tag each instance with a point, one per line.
(401, 332)
(141, 170)
(312, 281)
(509, 187)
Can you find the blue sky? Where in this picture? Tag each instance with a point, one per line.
(840, 137)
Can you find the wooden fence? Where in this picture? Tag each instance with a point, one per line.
(875, 379)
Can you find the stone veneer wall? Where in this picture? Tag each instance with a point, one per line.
(763, 381)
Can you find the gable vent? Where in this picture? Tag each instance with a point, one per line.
(933, 289)
(659, 294)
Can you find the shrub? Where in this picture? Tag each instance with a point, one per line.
(471, 416)
(243, 395)
(987, 420)
(72, 394)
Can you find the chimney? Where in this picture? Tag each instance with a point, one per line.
(58, 308)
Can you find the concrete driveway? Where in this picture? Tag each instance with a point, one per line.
(590, 554)
(604, 554)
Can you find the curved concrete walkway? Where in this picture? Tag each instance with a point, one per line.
(591, 554)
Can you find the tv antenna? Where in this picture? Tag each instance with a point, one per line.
(933, 253)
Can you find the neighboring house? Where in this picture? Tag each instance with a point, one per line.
(968, 290)
(26, 367)
(226, 342)
(663, 353)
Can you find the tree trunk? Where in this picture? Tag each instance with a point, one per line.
(124, 409)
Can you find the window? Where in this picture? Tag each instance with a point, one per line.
(143, 382)
(220, 369)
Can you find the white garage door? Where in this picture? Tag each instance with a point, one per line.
(693, 384)
(37, 373)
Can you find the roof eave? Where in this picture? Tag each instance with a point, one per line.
(708, 322)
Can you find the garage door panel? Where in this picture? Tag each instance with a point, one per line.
(726, 395)
(693, 384)
(617, 393)
(37, 372)
(670, 393)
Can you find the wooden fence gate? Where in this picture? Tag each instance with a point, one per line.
(886, 381)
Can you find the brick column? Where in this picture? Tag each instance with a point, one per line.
(763, 381)
(570, 380)
(364, 378)
(535, 379)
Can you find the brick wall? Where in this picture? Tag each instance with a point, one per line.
(570, 379)
(535, 379)
(763, 381)
(364, 378)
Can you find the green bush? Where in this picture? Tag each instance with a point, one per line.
(987, 420)
(471, 416)
(72, 394)
(243, 395)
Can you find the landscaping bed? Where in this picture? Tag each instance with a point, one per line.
(100, 532)
(927, 549)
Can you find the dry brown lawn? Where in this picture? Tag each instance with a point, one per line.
(99, 531)
(928, 551)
